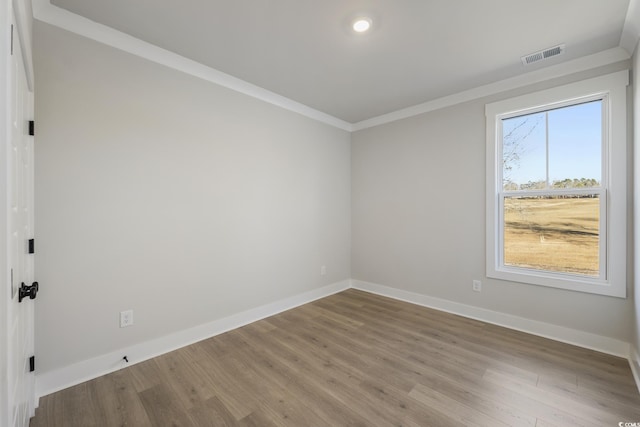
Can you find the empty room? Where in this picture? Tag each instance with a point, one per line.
(320, 213)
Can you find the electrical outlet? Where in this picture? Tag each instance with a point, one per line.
(323, 270)
(126, 318)
(477, 286)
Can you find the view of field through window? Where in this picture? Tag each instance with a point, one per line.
(556, 157)
(553, 234)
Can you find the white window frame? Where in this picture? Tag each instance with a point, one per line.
(612, 89)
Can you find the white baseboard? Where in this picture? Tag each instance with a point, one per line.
(50, 382)
(634, 362)
(558, 333)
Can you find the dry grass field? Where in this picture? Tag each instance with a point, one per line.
(552, 234)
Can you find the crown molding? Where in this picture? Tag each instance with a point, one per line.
(599, 59)
(44, 11)
(53, 15)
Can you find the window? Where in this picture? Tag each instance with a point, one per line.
(556, 187)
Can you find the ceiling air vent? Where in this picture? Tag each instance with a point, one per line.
(543, 54)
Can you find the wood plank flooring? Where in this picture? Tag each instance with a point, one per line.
(357, 359)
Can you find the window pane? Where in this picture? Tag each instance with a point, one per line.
(524, 154)
(575, 145)
(553, 233)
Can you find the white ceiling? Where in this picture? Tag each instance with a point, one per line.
(417, 51)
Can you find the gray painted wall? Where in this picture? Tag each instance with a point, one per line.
(179, 199)
(418, 210)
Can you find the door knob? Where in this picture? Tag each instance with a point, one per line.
(27, 291)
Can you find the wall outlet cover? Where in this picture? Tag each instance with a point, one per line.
(126, 318)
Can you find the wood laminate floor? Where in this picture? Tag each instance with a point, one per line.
(357, 359)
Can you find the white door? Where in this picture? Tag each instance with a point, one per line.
(19, 186)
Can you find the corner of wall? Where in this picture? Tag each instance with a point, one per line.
(630, 34)
(634, 362)
(631, 30)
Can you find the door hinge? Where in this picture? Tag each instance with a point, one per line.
(11, 39)
(32, 363)
(32, 127)
(32, 246)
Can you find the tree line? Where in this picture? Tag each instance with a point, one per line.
(542, 185)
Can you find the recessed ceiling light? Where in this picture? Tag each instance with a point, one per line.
(361, 25)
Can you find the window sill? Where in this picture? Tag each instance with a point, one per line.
(559, 281)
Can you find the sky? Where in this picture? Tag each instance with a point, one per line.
(575, 144)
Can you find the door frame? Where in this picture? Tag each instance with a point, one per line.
(5, 40)
(22, 10)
